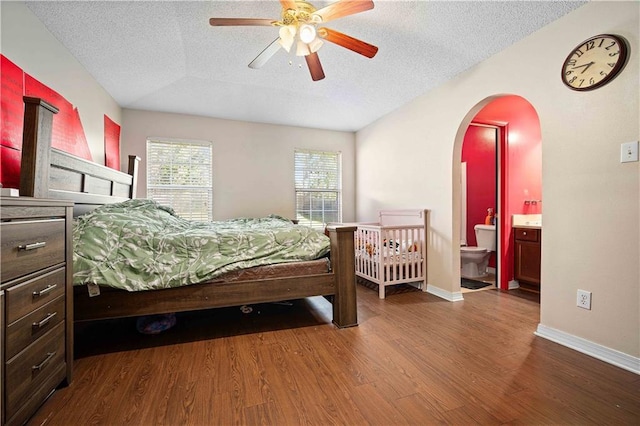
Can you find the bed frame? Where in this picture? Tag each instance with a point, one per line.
(50, 173)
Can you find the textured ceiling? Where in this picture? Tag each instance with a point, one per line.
(164, 55)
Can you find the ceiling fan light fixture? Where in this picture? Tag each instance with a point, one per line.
(315, 45)
(307, 33)
(287, 36)
(302, 49)
(300, 25)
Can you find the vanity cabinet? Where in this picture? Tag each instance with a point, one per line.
(37, 303)
(527, 257)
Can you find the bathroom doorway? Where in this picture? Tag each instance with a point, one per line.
(518, 169)
(481, 191)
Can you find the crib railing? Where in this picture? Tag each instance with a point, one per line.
(388, 255)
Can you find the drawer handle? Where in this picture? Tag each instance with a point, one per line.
(40, 366)
(32, 246)
(524, 232)
(45, 321)
(45, 290)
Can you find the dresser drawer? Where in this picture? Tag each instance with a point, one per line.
(33, 367)
(34, 401)
(30, 328)
(24, 298)
(29, 246)
(527, 234)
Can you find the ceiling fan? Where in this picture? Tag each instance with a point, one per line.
(300, 25)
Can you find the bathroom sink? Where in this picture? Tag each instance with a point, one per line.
(527, 220)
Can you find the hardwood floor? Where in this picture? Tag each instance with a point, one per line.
(414, 359)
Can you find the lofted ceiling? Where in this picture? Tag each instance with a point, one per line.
(164, 55)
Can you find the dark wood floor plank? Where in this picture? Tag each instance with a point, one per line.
(284, 399)
(375, 409)
(418, 409)
(414, 359)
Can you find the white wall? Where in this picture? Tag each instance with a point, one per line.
(591, 235)
(252, 163)
(28, 44)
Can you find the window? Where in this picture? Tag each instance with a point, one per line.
(179, 175)
(318, 184)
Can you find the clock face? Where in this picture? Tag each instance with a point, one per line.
(595, 62)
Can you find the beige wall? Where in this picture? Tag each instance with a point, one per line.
(28, 44)
(252, 163)
(591, 202)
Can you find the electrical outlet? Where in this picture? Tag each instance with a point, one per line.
(584, 299)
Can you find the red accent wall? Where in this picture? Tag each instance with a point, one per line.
(67, 132)
(111, 143)
(521, 168)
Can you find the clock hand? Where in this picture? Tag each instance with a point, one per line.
(584, 65)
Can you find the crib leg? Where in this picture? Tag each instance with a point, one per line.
(381, 291)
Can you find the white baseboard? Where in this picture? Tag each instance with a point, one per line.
(603, 353)
(446, 295)
(9, 192)
(513, 284)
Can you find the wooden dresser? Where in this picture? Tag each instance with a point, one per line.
(37, 303)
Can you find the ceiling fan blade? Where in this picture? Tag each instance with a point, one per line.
(348, 42)
(315, 67)
(288, 4)
(266, 54)
(223, 22)
(343, 8)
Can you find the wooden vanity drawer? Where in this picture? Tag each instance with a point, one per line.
(24, 298)
(30, 328)
(527, 234)
(30, 369)
(28, 246)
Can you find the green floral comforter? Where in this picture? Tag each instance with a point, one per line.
(141, 245)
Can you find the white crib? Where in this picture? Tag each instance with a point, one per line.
(394, 250)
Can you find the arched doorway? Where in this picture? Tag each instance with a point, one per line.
(518, 171)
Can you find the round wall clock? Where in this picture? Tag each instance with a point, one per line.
(594, 62)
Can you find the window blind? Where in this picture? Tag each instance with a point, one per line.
(180, 175)
(318, 185)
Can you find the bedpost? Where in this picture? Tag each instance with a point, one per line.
(425, 245)
(345, 311)
(36, 147)
(134, 160)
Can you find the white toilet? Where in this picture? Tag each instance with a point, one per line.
(474, 260)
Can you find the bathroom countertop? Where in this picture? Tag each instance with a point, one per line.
(531, 221)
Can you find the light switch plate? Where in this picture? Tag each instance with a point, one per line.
(629, 152)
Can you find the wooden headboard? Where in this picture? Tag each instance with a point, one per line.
(47, 172)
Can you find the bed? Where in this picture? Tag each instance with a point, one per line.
(393, 250)
(50, 173)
